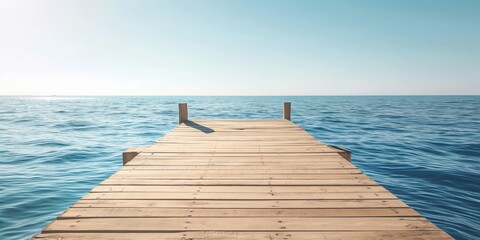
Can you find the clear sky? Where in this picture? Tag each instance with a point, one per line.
(381, 47)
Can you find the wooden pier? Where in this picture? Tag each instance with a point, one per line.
(239, 179)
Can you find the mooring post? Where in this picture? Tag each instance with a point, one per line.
(287, 110)
(182, 113)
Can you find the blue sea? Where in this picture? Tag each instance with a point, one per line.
(424, 149)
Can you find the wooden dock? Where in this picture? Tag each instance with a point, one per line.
(239, 179)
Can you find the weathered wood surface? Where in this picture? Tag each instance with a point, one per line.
(235, 179)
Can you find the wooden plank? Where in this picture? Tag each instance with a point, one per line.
(238, 224)
(283, 156)
(253, 170)
(240, 138)
(225, 235)
(238, 150)
(144, 212)
(274, 189)
(239, 204)
(228, 182)
(256, 163)
(183, 165)
(237, 196)
(252, 162)
(244, 177)
(301, 160)
(277, 142)
(193, 172)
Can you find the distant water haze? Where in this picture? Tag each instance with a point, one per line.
(89, 47)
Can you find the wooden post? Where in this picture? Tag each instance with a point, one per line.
(182, 113)
(131, 153)
(287, 110)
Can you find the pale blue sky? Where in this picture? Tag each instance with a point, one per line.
(95, 47)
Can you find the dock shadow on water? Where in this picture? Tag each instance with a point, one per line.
(200, 127)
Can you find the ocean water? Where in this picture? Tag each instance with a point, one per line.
(424, 149)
